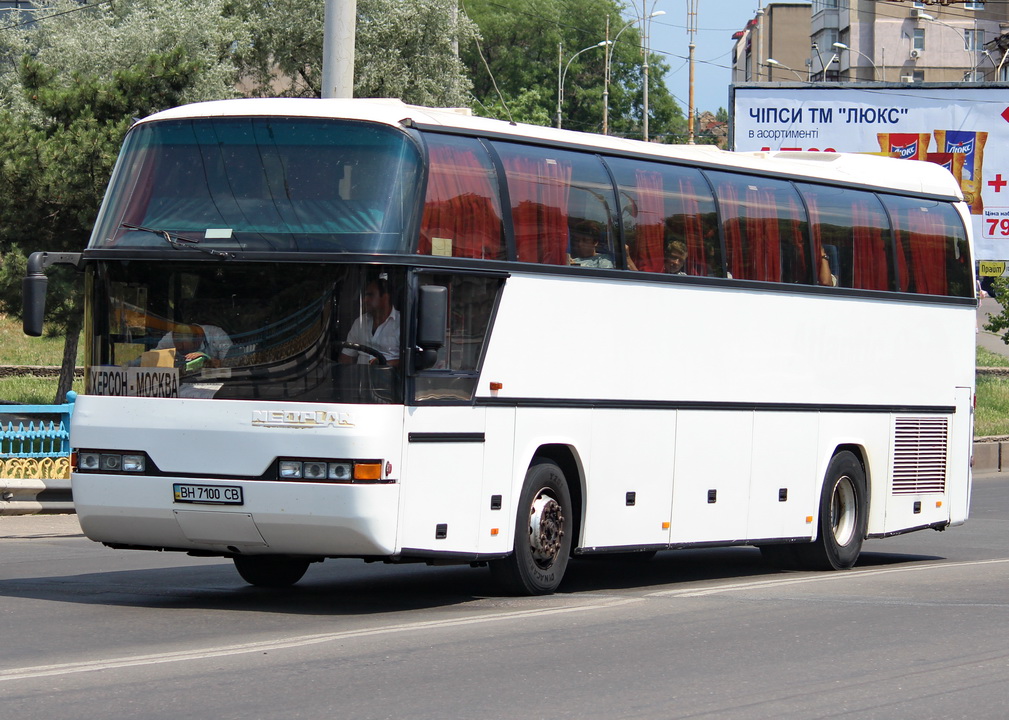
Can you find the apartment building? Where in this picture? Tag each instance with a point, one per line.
(875, 40)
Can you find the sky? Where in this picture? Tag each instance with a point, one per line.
(716, 21)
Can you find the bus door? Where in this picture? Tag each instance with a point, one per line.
(448, 439)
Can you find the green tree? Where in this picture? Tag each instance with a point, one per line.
(105, 38)
(404, 50)
(55, 162)
(523, 66)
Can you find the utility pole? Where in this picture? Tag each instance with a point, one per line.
(339, 32)
(644, 70)
(691, 30)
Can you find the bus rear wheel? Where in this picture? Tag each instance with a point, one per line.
(843, 517)
(542, 534)
(274, 571)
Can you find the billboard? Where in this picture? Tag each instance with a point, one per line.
(962, 127)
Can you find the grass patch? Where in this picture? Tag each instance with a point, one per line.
(27, 390)
(991, 417)
(986, 358)
(16, 348)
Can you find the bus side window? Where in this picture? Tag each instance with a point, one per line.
(932, 252)
(553, 191)
(462, 213)
(765, 228)
(667, 210)
(851, 226)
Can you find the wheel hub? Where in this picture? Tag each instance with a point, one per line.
(546, 528)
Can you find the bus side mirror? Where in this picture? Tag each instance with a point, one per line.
(33, 293)
(33, 288)
(432, 320)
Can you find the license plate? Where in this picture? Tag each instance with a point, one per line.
(208, 494)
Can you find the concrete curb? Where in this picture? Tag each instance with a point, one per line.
(991, 455)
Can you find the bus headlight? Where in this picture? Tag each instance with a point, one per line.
(336, 471)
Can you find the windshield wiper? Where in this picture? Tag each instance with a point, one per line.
(177, 241)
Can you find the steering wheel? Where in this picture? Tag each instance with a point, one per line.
(365, 349)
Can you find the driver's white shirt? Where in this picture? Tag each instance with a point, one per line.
(385, 339)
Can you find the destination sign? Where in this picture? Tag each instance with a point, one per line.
(133, 381)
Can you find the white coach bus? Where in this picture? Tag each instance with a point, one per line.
(349, 328)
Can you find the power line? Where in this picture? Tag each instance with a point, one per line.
(38, 18)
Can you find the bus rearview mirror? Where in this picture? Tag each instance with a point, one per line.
(432, 319)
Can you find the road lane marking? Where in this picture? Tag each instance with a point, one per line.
(40, 671)
(833, 575)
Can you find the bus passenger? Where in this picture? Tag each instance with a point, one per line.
(584, 239)
(199, 345)
(676, 257)
(378, 327)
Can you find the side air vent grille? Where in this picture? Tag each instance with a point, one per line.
(919, 455)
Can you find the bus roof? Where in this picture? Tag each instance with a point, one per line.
(847, 168)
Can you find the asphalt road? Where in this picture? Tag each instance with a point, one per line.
(920, 628)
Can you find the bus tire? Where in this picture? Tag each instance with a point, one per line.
(843, 517)
(542, 534)
(274, 571)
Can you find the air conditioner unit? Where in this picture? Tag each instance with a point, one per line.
(907, 78)
(917, 12)
(915, 54)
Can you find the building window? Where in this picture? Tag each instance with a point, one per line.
(973, 40)
(918, 4)
(919, 39)
(972, 6)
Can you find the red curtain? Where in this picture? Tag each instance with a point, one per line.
(460, 206)
(927, 241)
(648, 250)
(869, 260)
(762, 239)
(539, 190)
(693, 230)
(733, 229)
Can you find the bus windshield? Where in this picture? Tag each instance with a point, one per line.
(318, 333)
(262, 184)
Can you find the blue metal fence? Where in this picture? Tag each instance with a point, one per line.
(36, 431)
(34, 458)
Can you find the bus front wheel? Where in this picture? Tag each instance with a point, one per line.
(542, 534)
(843, 517)
(275, 571)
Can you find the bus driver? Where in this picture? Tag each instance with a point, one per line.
(378, 327)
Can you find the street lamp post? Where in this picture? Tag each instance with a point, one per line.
(561, 75)
(968, 47)
(842, 46)
(609, 64)
(774, 63)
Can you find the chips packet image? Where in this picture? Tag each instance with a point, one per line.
(911, 146)
(951, 161)
(970, 144)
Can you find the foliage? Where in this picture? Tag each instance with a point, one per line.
(403, 49)
(999, 323)
(104, 38)
(55, 162)
(524, 65)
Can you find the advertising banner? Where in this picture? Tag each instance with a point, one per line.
(965, 129)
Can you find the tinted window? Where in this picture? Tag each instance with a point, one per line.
(462, 213)
(669, 218)
(764, 228)
(932, 253)
(851, 229)
(554, 195)
(263, 184)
